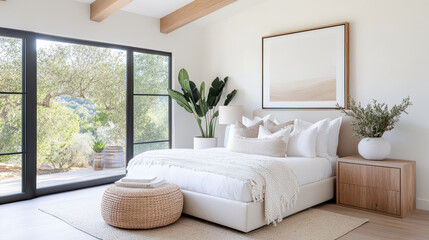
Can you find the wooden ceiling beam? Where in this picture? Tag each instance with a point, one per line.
(191, 12)
(102, 9)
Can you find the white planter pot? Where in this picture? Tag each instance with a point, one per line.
(374, 148)
(203, 143)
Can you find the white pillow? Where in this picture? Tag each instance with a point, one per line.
(265, 133)
(284, 133)
(333, 136)
(249, 122)
(273, 147)
(302, 143)
(322, 135)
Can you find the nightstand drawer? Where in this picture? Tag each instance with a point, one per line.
(370, 176)
(370, 198)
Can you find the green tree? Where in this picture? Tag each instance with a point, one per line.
(10, 105)
(151, 75)
(85, 72)
(10, 64)
(53, 142)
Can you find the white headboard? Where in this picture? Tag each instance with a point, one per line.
(347, 144)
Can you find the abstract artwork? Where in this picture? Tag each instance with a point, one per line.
(306, 69)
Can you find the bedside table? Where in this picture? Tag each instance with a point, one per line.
(387, 186)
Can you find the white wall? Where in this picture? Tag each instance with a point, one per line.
(389, 59)
(71, 19)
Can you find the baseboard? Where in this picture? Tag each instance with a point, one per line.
(422, 204)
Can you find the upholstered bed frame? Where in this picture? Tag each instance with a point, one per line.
(246, 217)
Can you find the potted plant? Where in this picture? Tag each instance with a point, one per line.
(371, 123)
(202, 107)
(98, 147)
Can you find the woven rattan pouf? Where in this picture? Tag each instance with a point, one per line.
(142, 208)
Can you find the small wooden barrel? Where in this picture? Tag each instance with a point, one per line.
(113, 157)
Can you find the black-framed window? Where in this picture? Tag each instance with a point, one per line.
(151, 102)
(12, 96)
(120, 88)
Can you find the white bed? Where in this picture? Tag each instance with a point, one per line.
(228, 201)
(308, 170)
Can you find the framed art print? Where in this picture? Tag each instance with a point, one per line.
(306, 69)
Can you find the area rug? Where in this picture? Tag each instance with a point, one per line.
(310, 224)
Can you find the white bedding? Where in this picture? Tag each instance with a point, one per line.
(307, 170)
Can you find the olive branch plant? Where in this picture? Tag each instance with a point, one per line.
(376, 118)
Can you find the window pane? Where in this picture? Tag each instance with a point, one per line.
(150, 118)
(10, 123)
(10, 174)
(140, 148)
(150, 73)
(10, 64)
(81, 99)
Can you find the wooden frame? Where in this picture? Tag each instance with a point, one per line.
(324, 51)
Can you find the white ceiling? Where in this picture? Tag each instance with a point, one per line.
(151, 8)
(161, 8)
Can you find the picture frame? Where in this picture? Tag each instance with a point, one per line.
(306, 69)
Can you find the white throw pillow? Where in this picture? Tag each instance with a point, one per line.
(249, 122)
(273, 147)
(322, 135)
(333, 136)
(265, 133)
(302, 143)
(284, 133)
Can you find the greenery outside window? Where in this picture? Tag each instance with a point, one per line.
(61, 96)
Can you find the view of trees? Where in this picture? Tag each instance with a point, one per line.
(81, 97)
(151, 112)
(10, 104)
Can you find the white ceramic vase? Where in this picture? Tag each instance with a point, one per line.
(203, 143)
(374, 148)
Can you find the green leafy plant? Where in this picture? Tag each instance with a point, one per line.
(376, 118)
(98, 146)
(201, 106)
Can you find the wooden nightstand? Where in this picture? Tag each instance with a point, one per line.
(387, 186)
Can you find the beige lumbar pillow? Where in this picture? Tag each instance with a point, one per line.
(247, 132)
(273, 147)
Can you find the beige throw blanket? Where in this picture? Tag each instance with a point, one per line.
(269, 179)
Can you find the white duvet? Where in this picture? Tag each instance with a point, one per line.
(269, 180)
(308, 170)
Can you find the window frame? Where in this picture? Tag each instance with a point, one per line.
(29, 110)
(169, 140)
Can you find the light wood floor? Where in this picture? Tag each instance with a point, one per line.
(23, 220)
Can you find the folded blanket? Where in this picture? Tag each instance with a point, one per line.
(270, 180)
(138, 184)
(139, 180)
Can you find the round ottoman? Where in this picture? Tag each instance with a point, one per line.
(142, 208)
